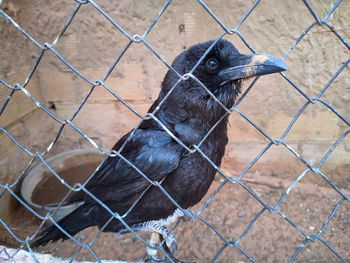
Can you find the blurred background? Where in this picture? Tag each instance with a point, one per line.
(91, 44)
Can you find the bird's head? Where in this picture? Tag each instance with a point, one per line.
(221, 71)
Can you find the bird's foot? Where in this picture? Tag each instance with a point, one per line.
(161, 233)
(169, 238)
(156, 228)
(151, 255)
(170, 241)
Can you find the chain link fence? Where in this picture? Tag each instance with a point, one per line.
(141, 39)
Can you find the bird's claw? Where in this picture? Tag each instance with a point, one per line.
(170, 240)
(174, 246)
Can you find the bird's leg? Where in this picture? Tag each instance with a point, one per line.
(168, 237)
(158, 236)
(160, 233)
(156, 229)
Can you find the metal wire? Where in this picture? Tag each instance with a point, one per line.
(101, 83)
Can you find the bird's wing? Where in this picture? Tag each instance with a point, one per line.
(151, 151)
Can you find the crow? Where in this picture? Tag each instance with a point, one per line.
(193, 105)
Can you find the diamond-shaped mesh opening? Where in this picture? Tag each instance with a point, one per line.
(90, 26)
(317, 73)
(79, 74)
(314, 213)
(266, 234)
(284, 22)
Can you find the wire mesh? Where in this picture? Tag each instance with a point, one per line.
(142, 40)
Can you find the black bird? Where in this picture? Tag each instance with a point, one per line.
(188, 112)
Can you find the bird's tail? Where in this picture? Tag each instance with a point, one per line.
(72, 223)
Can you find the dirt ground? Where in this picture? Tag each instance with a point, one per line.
(270, 239)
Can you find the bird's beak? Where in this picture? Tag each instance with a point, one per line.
(245, 66)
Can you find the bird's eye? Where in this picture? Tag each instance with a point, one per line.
(212, 64)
